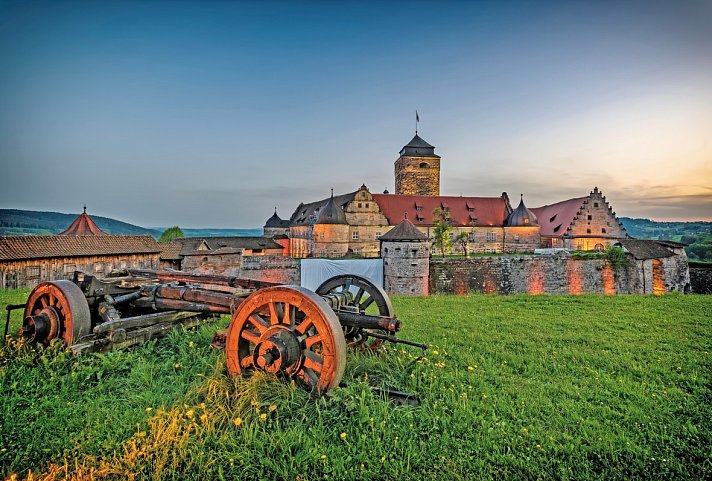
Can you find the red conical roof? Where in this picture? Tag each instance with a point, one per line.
(83, 225)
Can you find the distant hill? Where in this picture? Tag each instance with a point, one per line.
(217, 232)
(697, 235)
(28, 222)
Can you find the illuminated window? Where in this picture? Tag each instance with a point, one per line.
(354, 235)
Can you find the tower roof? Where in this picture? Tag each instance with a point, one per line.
(276, 221)
(83, 225)
(419, 148)
(404, 231)
(331, 213)
(521, 217)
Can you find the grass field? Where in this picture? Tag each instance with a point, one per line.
(518, 387)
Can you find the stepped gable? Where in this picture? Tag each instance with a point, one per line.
(521, 216)
(83, 225)
(556, 218)
(463, 211)
(306, 214)
(52, 246)
(403, 232)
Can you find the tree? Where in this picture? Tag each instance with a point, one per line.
(441, 232)
(171, 234)
(461, 238)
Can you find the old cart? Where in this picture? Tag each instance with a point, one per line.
(284, 330)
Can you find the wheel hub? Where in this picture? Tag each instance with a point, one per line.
(42, 327)
(278, 351)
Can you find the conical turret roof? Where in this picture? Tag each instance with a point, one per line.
(404, 231)
(83, 225)
(331, 213)
(275, 221)
(521, 216)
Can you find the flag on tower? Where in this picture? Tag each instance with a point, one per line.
(417, 119)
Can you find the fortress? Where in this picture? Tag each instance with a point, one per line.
(352, 224)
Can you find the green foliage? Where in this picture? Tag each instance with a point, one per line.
(171, 234)
(615, 256)
(698, 235)
(441, 231)
(462, 239)
(517, 387)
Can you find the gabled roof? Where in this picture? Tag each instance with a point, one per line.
(554, 219)
(404, 231)
(419, 148)
(51, 246)
(83, 225)
(171, 250)
(645, 249)
(190, 244)
(487, 211)
(306, 214)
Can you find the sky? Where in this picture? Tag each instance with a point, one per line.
(211, 114)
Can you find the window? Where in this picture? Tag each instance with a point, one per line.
(33, 272)
(603, 230)
(359, 205)
(588, 231)
(470, 209)
(69, 269)
(526, 220)
(378, 234)
(595, 204)
(471, 237)
(452, 236)
(491, 236)
(598, 247)
(204, 261)
(424, 165)
(589, 216)
(419, 218)
(418, 208)
(367, 205)
(354, 235)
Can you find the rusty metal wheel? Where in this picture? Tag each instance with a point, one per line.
(56, 309)
(367, 298)
(288, 331)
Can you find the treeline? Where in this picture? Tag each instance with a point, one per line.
(25, 222)
(697, 235)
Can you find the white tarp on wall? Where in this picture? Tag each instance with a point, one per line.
(316, 271)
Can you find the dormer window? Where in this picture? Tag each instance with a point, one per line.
(526, 220)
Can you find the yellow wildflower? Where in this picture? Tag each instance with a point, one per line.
(148, 410)
(176, 365)
(190, 344)
(237, 421)
(189, 413)
(525, 431)
(323, 457)
(204, 418)
(383, 459)
(263, 417)
(272, 407)
(343, 436)
(472, 368)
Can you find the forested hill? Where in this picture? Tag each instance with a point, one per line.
(24, 222)
(697, 235)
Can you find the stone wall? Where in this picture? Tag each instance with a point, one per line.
(560, 274)
(405, 267)
(284, 270)
(417, 175)
(701, 279)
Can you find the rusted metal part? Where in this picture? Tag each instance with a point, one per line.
(365, 298)
(177, 276)
(289, 331)
(10, 308)
(56, 309)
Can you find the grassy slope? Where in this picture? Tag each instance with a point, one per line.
(515, 387)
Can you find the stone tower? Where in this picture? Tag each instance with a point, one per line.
(406, 260)
(418, 169)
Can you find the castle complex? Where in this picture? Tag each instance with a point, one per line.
(352, 223)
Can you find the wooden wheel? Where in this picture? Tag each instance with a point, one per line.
(367, 298)
(288, 331)
(56, 309)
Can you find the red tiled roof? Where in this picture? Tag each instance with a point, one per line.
(486, 210)
(171, 250)
(559, 215)
(47, 246)
(83, 225)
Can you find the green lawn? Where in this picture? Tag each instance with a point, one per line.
(517, 387)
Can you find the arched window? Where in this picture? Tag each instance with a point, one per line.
(599, 248)
(424, 165)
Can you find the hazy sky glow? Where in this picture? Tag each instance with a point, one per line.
(209, 114)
